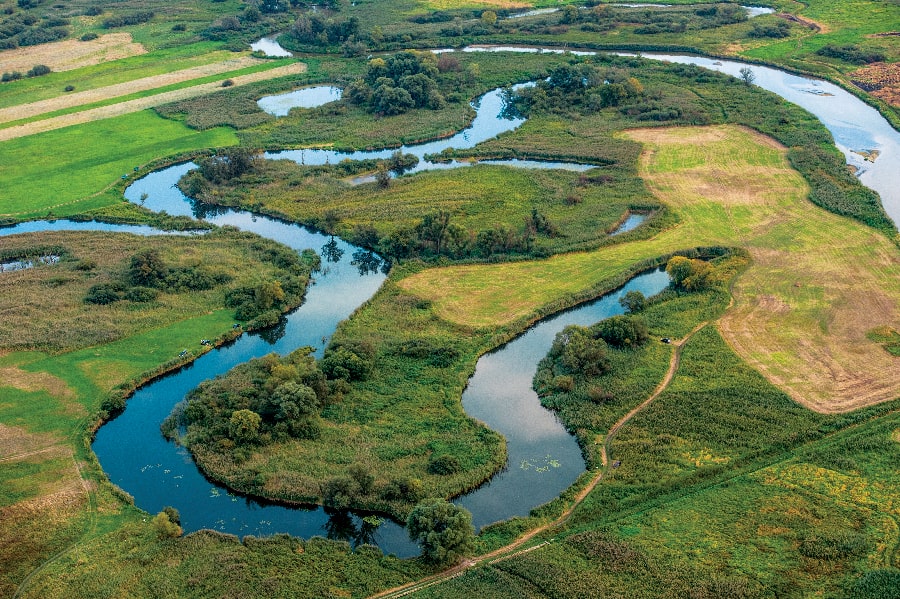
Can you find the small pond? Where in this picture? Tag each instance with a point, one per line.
(308, 97)
(14, 265)
(270, 47)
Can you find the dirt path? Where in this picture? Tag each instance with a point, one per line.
(31, 109)
(139, 104)
(513, 549)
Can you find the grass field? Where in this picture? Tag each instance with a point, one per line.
(111, 72)
(37, 170)
(730, 187)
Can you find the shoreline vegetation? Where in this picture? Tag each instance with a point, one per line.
(770, 485)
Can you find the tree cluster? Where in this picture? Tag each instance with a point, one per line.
(397, 84)
(690, 274)
(579, 87)
(228, 163)
(266, 400)
(318, 30)
(147, 274)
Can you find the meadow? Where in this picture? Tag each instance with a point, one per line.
(728, 485)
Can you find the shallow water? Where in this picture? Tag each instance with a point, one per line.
(308, 97)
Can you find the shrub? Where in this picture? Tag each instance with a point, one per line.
(622, 331)
(443, 530)
(124, 20)
(165, 528)
(444, 465)
(69, 88)
(89, 36)
(227, 83)
(104, 293)
(243, 426)
(141, 294)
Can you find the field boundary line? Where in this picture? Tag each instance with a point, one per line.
(138, 104)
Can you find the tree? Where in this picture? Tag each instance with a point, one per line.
(444, 531)
(633, 301)
(747, 75)
(243, 426)
(489, 18)
(165, 527)
(147, 269)
(433, 229)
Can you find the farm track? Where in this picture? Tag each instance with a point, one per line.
(135, 105)
(515, 548)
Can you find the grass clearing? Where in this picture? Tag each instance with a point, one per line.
(37, 171)
(72, 54)
(816, 349)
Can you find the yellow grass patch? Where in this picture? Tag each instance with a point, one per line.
(818, 282)
(35, 381)
(71, 54)
(16, 443)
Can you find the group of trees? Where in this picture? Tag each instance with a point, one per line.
(580, 87)
(147, 274)
(397, 84)
(265, 400)
(436, 235)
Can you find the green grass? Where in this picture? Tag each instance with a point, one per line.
(67, 169)
(107, 73)
(726, 488)
(151, 92)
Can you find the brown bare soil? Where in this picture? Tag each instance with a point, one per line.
(881, 80)
(17, 443)
(24, 111)
(129, 106)
(71, 54)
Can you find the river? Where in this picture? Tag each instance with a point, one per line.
(544, 459)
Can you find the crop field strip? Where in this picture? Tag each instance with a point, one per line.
(812, 293)
(138, 104)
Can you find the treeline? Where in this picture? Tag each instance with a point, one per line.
(437, 236)
(851, 53)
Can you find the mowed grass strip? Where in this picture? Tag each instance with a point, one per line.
(818, 283)
(111, 70)
(36, 172)
(125, 88)
(142, 100)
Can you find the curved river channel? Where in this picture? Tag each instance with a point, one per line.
(543, 458)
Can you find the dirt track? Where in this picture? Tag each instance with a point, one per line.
(513, 549)
(129, 106)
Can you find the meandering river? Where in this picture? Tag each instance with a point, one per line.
(544, 459)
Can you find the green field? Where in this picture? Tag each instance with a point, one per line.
(99, 152)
